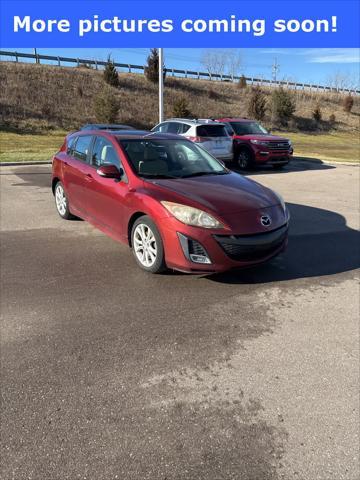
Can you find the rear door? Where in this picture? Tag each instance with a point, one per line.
(77, 172)
(215, 139)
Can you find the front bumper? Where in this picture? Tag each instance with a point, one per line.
(277, 157)
(226, 251)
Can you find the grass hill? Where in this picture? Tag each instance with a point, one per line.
(42, 99)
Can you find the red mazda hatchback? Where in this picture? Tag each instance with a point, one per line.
(174, 204)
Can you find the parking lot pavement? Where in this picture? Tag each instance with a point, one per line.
(108, 372)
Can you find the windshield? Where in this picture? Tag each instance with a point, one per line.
(170, 159)
(248, 128)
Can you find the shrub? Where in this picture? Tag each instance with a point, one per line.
(180, 108)
(332, 119)
(242, 82)
(152, 67)
(282, 106)
(110, 73)
(106, 107)
(257, 104)
(348, 103)
(316, 114)
(213, 95)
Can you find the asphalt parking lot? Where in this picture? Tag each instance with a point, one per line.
(110, 373)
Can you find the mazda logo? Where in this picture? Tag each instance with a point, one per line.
(265, 220)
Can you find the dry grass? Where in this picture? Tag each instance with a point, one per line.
(41, 98)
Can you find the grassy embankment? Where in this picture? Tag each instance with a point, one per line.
(40, 103)
(339, 146)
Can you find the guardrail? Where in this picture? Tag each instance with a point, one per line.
(130, 68)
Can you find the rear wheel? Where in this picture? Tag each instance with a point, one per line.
(62, 202)
(245, 159)
(147, 245)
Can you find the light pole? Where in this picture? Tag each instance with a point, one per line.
(161, 85)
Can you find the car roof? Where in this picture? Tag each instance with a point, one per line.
(107, 126)
(193, 121)
(236, 119)
(131, 134)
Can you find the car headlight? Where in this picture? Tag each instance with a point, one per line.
(192, 216)
(259, 142)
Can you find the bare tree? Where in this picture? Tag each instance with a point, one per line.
(214, 61)
(342, 81)
(234, 63)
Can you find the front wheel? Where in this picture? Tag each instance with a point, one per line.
(147, 245)
(245, 159)
(62, 202)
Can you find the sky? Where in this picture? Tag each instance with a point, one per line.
(297, 64)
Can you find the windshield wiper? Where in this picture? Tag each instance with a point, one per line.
(156, 175)
(200, 174)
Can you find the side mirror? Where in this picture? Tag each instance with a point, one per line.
(110, 171)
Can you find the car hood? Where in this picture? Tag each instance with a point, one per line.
(264, 138)
(229, 193)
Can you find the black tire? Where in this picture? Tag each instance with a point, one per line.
(64, 209)
(158, 265)
(245, 159)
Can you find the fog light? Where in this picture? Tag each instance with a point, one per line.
(199, 258)
(193, 250)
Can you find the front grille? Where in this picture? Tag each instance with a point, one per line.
(244, 248)
(278, 145)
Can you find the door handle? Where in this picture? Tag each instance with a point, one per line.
(88, 177)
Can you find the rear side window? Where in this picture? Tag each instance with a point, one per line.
(211, 131)
(82, 147)
(183, 128)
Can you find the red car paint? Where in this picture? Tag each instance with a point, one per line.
(113, 206)
(278, 150)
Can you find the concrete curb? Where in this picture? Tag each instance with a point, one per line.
(14, 164)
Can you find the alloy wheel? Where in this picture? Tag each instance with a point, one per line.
(60, 199)
(145, 246)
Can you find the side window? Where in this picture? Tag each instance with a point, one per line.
(104, 152)
(71, 146)
(82, 147)
(162, 127)
(173, 127)
(183, 128)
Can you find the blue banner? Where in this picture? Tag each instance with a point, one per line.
(179, 23)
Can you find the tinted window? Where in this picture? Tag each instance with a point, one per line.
(211, 131)
(82, 147)
(104, 152)
(229, 130)
(173, 127)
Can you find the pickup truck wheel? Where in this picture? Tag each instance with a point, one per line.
(245, 159)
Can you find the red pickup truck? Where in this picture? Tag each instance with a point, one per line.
(254, 145)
